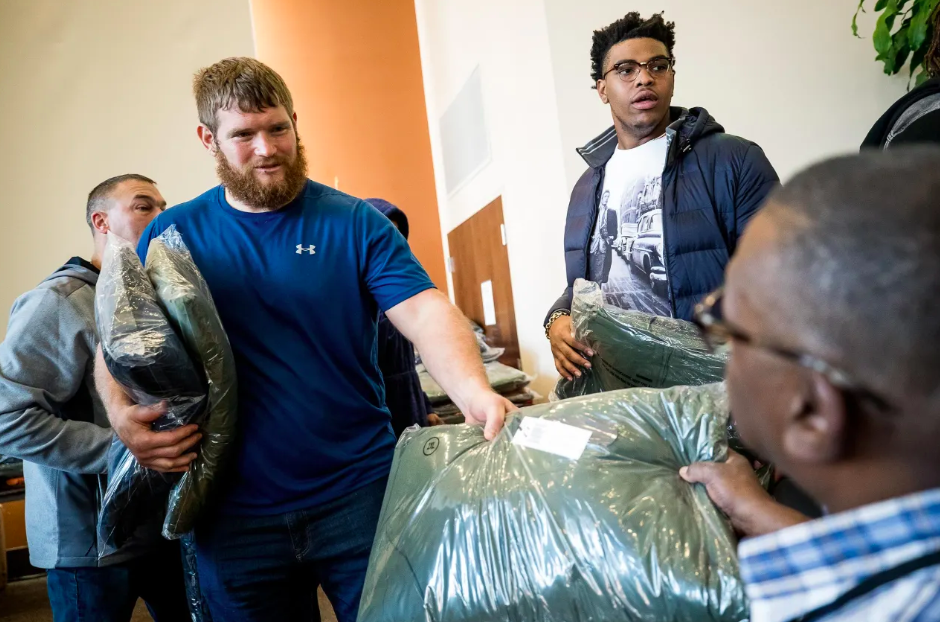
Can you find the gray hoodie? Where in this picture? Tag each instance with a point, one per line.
(52, 418)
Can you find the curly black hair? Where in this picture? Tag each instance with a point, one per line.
(632, 26)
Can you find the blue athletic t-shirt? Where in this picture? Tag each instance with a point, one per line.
(298, 291)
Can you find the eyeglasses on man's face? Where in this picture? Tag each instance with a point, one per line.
(628, 70)
(718, 333)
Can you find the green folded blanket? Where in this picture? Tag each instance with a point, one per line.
(184, 297)
(575, 512)
(634, 349)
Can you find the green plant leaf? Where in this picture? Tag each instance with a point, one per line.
(860, 9)
(895, 45)
(917, 34)
(900, 58)
(897, 54)
(922, 77)
(882, 36)
(917, 60)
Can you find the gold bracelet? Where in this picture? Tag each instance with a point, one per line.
(551, 320)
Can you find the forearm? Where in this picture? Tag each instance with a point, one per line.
(448, 348)
(38, 436)
(767, 517)
(451, 354)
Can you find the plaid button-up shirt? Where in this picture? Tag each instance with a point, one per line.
(796, 570)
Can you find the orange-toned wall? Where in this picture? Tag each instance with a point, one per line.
(354, 70)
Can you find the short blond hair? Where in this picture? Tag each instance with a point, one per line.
(239, 82)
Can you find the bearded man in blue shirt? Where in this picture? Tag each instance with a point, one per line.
(299, 272)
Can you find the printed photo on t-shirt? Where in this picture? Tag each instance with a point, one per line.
(626, 253)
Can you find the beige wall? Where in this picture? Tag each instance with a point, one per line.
(94, 89)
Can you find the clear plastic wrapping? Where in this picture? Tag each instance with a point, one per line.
(449, 412)
(481, 531)
(634, 349)
(198, 607)
(487, 352)
(185, 298)
(502, 378)
(146, 357)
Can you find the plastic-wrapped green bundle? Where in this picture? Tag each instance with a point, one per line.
(450, 413)
(575, 512)
(184, 296)
(502, 378)
(633, 349)
(147, 358)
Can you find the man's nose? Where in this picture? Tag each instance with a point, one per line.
(264, 146)
(644, 77)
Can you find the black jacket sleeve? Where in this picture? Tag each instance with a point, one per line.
(756, 178)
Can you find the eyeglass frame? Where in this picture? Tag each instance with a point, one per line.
(710, 326)
(645, 66)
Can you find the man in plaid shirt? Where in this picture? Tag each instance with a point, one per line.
(832, 306)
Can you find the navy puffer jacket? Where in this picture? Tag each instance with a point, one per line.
(713, 183)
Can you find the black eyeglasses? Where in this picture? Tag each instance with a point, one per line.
(718, 333)
(628, 70)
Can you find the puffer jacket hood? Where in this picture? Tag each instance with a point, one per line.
(393, 213)
(688, 127)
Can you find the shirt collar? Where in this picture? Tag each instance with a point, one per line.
(78, 261)
(795, 570)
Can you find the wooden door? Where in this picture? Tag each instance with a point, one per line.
(480, 263)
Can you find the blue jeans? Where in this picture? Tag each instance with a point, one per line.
(264, 568)
(109, 594)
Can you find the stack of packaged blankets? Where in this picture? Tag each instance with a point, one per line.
(505, 380)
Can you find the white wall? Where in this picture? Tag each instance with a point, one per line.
(91, 90)
(788, 75)
(509, 41)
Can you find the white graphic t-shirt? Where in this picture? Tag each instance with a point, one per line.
(627, 256)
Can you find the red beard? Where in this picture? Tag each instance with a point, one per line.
(245, 187)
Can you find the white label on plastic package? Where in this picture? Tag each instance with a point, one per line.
(553, 437)
(489, 305)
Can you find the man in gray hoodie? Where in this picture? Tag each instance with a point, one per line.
(53, 419)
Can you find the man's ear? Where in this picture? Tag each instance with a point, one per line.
(817, 424)
(99, 220)
(602, 91)
(206, 138)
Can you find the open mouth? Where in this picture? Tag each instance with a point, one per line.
(645, 100)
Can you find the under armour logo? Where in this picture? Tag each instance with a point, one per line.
(301, 249)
